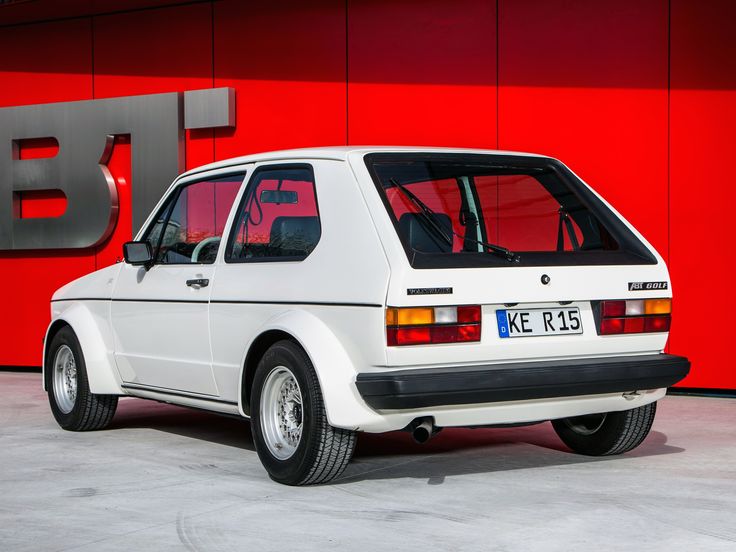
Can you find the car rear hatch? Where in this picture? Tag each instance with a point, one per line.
(540, 265)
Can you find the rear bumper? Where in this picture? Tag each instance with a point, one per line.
(406, 389)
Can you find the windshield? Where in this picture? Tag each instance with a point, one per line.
(473, 206)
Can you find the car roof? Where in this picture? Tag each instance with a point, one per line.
(339, 153)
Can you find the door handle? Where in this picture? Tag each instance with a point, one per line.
(198, 283)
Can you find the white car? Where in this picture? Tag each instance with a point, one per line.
(321, 292)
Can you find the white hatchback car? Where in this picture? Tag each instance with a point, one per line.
(322, 292)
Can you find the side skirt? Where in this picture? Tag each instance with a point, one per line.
(180, 398)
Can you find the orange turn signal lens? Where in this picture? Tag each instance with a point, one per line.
(409, 316)
(657, 306)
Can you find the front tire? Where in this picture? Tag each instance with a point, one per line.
(72, 403)
(606, 434)
(293, 438)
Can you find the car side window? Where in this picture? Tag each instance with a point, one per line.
(278, 218)
(189, 227)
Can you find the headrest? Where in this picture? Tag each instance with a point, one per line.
(294, 236)
(422, 237)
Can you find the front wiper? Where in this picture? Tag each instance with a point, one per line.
(429, 217)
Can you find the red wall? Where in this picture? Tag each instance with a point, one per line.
(637, 96)
(422, 74)
(587, 82)
(702, 195)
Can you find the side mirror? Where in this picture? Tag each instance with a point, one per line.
(138, 253)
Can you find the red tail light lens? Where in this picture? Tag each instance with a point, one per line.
(468, 314)
(610, 326)
(429, 325)
(634, 325)
(657, 323)
(408, 336)
(611, 309)
(635, 316)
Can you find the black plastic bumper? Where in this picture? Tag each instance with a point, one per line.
(520, 381)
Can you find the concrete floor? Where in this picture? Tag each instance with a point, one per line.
(168, 478)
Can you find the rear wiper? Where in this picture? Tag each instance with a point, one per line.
(429, 216)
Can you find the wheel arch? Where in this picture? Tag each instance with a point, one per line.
(51, 332)
(98, 359)
(335, 370)
(255, 352)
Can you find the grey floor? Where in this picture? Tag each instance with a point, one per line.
(168, 478)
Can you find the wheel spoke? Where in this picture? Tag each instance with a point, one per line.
(281, 412)
(65, 379)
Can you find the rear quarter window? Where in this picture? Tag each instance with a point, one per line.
(278, 218)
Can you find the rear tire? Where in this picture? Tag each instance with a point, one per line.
(72, 403)
(293, 438)
(606, 434)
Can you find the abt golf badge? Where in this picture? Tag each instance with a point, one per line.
(647, 286)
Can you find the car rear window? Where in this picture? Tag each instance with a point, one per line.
(478, 210)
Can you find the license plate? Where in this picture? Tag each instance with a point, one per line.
(536, 322)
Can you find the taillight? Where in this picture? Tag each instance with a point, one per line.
(428, 325)
(635, 316)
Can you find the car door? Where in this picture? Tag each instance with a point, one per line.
(160, 314)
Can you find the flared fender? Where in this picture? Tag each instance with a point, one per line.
(335, 370)
(90, 322)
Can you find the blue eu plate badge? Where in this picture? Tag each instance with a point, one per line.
(503, 323)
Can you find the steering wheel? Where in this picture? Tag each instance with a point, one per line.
(201, 245)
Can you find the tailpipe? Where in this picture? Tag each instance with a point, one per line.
(423, 429)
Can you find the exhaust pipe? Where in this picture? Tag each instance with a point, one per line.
(423, 429)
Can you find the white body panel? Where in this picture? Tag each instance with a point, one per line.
(146, 332)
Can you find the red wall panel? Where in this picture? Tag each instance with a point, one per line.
(587, 82)
(161, 50)
(153, 51)
(703, 118)
(149, 52)
(422, 74)
(41, 63)
(46, 62)
(287, 61)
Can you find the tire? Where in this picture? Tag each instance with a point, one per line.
(293, 453)
(606, 434)
(78, 410)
